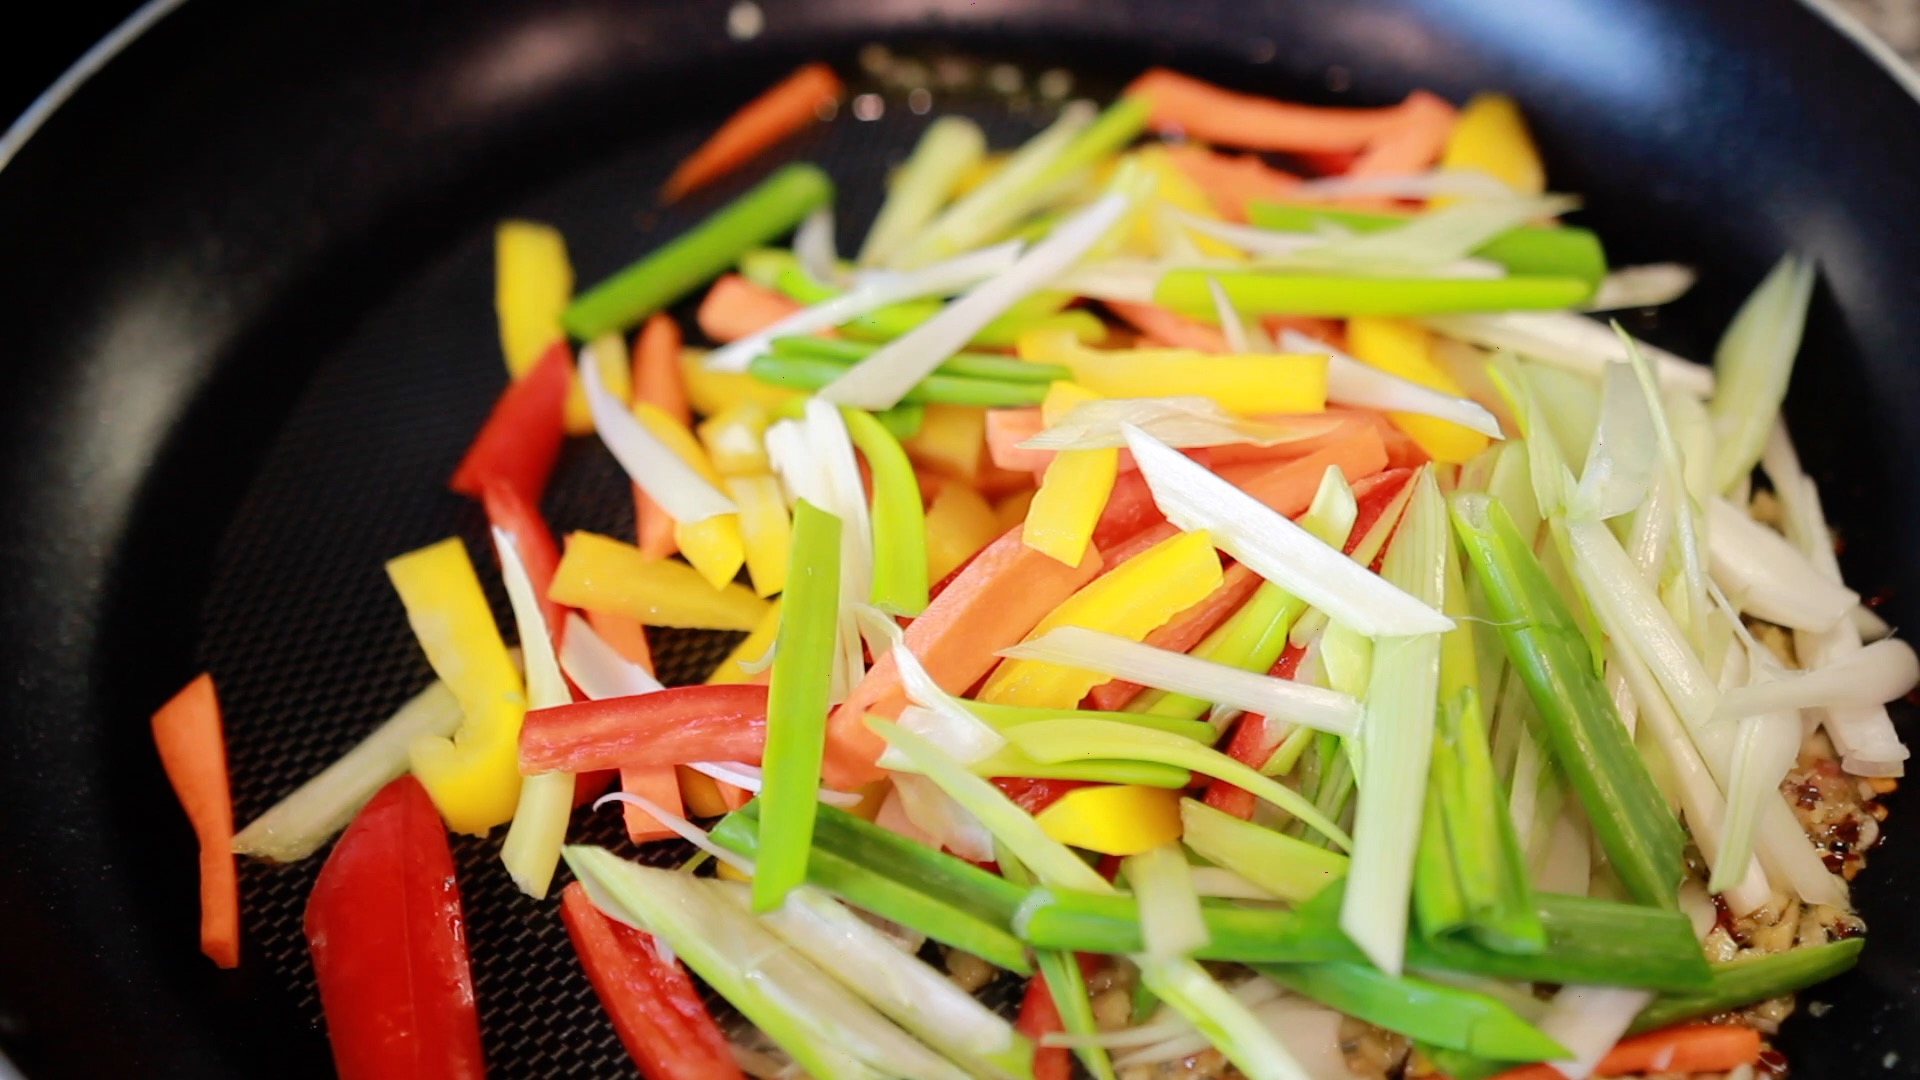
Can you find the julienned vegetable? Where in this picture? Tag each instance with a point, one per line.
(1151, 557)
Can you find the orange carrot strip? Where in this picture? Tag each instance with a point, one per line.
(659, 784)
(1340, 426)
(735, 307)
(657, 380)
(1230, 180)
(1182, 632)
(193, 751)
(1413, 143)
(782, 109)
(1683, 1049)
(1003, 593)
(1214, 114)
(1331, 331)
(625, 635)
(1164, 327)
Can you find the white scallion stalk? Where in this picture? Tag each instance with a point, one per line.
(829, 1031)
(813, 248)
(1170, 921)
(1863, 734)
(752, 778)
(1243, 336)
(682, 492)
(1588, 1020)
(1642, 287)
(1620, 460)
(1310, 1032)
(1753, 363)
(296, 826)
(681, 827)
(998, 202)
(1227, 1023)
(596, 667)
(940, 279)
(1767, 577)
(1352, 382)
(880, 380)
(532, 847)
(1164, 669)
(814, 458)
(1568, 340)
(1467, 183)
(951, 146)
(956, 729)
(1396, 741)
(1870, 675)
(1687, 598)
(909, 992)
(1305, 251)
(1437, 237)
(938, 817)
(1183, 421)
(1193, 497)
(1764, 748)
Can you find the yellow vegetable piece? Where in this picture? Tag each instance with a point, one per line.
(952, 440)
(765, 527)
(751, 650)
(1405, 348)
(532, 284)
(1114, 819)
(1491, 136)
(599, 573)
(959, 523)
(1173, 187)
(714, 392)
(608, 353)
(726, 871)
(1012, 510)
(978, 172)
(735, 439)
(1245, 383)
(474, 776)
(714, 546)
(1073, 491)
(1130, 600)
(700, 793)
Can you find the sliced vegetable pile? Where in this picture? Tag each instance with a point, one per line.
(1266, 614)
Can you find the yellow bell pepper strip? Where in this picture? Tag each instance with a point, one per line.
(599, 573)
(1074, 491)
(751, 650)
(1490, 135)
(1173, 187)
(765, 529)
(608, 352)
(734, 439)
(1012, 509)
(1245, 383)
(474, 775)
(899, 520)
(952, 441)
(1405, 348)
(959, 522)
(714, 392)
(797, 706)
(1130, 600)
(1114, 819)
(1258, 292)
(532, 283)
(713, 545)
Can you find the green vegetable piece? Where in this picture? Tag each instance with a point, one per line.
(1066, 983)
(1431, 1012)
(676, 268)
(1251, 639)
(1040, 311)
(1288, 868)
(1750, 979)
(1588, 742)
(1256, 292)
(797, 704)
(899, 518)
(970, 364)
(1543, 250)
(1003, 717)
(808, 373)
(903, 420)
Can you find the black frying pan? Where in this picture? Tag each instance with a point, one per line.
(246, 285)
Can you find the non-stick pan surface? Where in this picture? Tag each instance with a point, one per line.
(246, 280)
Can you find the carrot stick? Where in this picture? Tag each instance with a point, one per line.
(784, 108)
(1413, 143)
(626, 635)
(657, 381)
(1331, 428)
(1182, 632)
(659, 784)
(1683, 1050)
(1214, 114)
(1001, 594)
(735, 307)
(193, 751)
(1331, 331)
(1161, 326)
(1229, 180)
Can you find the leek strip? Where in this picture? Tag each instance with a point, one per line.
(950, 147)
(1589, 745)
(999, 201)
(1767, 577)
(1281, 865)
(899, 518)
(1065, 981)
(531, 850)
(1569, 341)
(1351, 381)
(970, 365)
(1752, 978)
(1041, 311)
(1431, 1012)
(1396, 741)
(1251, 639)
(1162, 884)
(1011, 762)
(1549, 250)
(810, 373)
(1003, 717)
(797, 704)
(829, 1032)
(1071, 740)
(296, 826)
(1753, 363)
(1256, 292)
(1245, 1038)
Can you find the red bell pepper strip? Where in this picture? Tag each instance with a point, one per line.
(1034, 794)
(521, 438)
(193, 751)
(725, 722)
(1182, 632)
(654, 1006)
(510, 511)
(1253, 742)
(1040, 1017)
(384, 927)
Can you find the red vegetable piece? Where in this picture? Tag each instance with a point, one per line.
(654, 1005)
(509, 510)
(1034, 794)
(521, 438)
(193, 751)
(667, 727)
(389, 947)
(1040, 1017)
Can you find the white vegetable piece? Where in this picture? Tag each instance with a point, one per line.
(1767, 577)
(651, 464)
